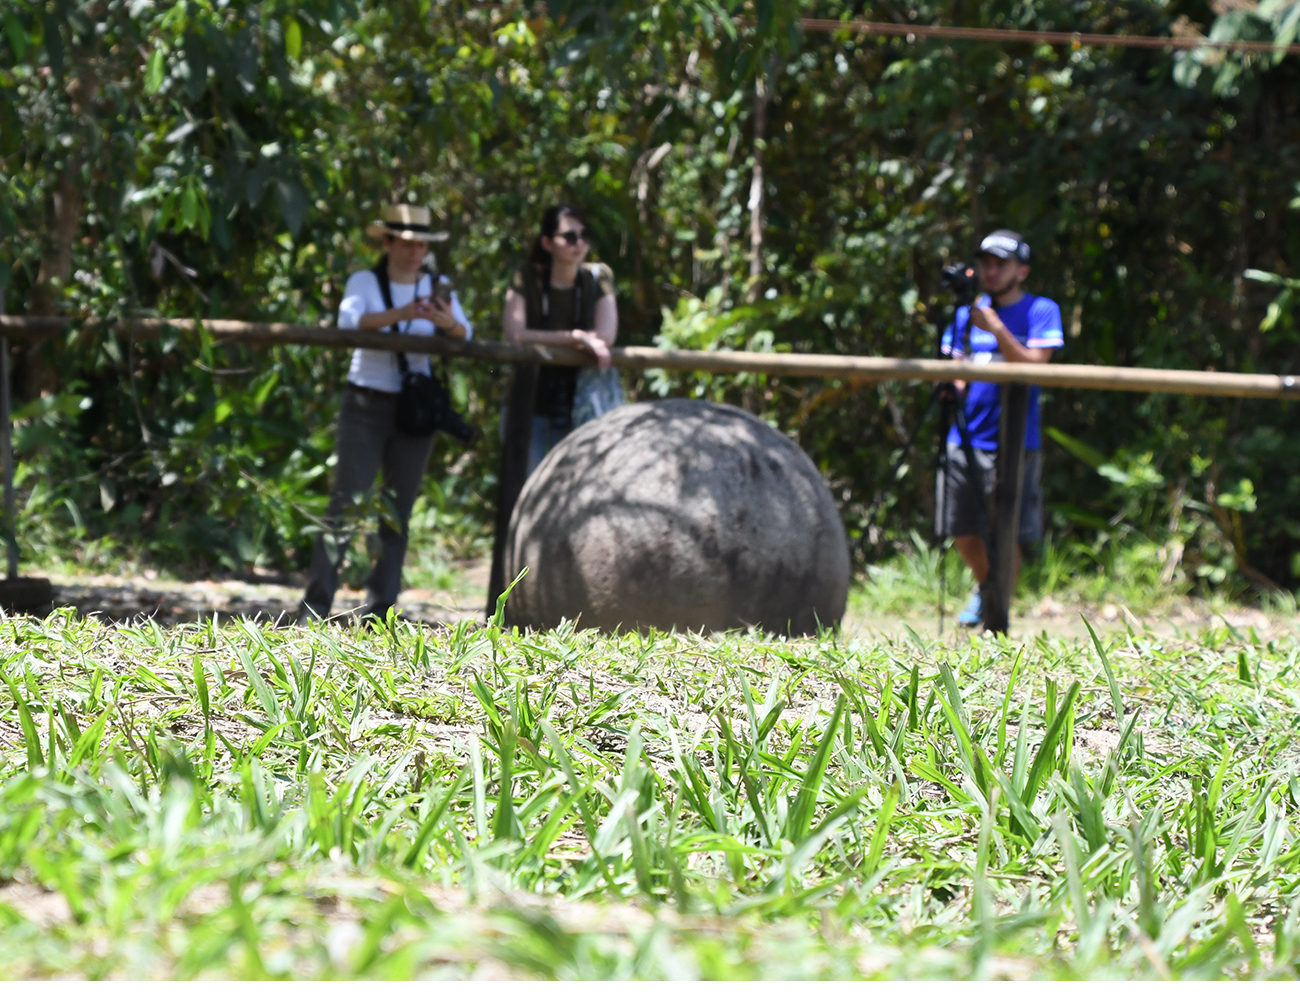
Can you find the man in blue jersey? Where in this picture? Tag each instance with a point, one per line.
(1005, 324)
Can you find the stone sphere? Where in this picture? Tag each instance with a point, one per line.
(677, 514)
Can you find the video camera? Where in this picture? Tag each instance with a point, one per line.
(961, 280)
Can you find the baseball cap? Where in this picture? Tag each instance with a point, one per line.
(1006, 243)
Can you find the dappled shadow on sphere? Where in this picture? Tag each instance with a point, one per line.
(678, 514)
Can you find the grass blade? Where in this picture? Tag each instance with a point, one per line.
(1117, 702)
(810, 787)
(1045, 757)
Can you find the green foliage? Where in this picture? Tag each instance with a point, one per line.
(302, 803)
(1280, 309)
(229, 156)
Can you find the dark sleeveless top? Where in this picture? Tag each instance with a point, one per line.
(561, 309)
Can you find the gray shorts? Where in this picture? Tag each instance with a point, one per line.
(957, 509)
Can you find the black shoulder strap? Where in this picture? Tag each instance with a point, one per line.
(380, 271)
(584, 300)
(536, 302)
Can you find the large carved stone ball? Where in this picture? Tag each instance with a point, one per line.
(678, 514)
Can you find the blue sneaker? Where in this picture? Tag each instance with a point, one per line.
(974, 613)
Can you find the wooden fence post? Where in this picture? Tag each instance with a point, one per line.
(1010, 480)
(514, 470)
(17, 593)
(7, 461)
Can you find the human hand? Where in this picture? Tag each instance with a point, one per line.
(984, 316)
(417, 308)
(594, 343)
(440, 313)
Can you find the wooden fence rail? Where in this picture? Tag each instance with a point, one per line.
(524, 359)
(857, 368)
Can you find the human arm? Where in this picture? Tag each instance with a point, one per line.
(415, 309)
(606, 320)
(604, 317)
(1043, 337)
(363, 307)
(986, 318)
(599, 340)
(515, 328)
(448, 314)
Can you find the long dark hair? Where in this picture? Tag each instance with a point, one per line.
(540, 258)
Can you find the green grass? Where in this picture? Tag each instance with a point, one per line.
(236, 801)
(1126, 574)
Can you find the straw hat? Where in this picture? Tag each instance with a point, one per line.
(407, 222)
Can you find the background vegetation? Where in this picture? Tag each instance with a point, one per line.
(220, 159)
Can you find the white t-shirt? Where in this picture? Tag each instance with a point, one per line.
(378, 369)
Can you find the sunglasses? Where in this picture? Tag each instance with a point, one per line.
(574, 236)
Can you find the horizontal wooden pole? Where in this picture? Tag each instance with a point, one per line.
(830, 366)
(1074, 39)
(1008, 36)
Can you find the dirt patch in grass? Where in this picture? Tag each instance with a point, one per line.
(116, 598)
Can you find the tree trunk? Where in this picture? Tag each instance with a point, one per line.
(756, 190)
(62, 215)
(63, 209)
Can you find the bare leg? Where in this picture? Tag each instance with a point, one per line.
(976, 556)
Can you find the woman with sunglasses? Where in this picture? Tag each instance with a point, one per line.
(554, 299)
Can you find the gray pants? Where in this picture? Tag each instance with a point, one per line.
(959, 504)
(367, 440)
(545, 436)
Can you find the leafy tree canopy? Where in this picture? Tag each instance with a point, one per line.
(751, 184)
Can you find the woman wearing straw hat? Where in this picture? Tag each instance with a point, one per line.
(368, 439)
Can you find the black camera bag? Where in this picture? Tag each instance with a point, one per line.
(422, 397)
(418, 401)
